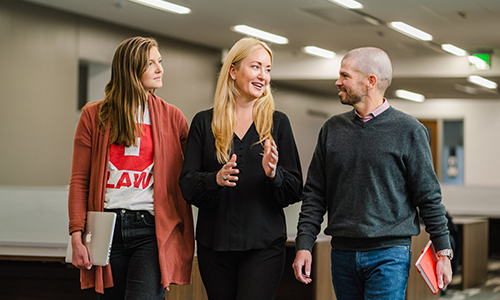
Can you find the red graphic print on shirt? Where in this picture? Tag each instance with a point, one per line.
(131, 167)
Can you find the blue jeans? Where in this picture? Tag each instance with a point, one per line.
(134, 258)
(369, 275)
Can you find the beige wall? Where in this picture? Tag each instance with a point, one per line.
(39, 53)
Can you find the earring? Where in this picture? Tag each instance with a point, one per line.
(232, 87)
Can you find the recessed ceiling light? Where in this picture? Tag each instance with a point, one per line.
(260, 34)
(482, 82)
(404, 94)
(312, 50)
(164, 5)
(350, 4)
(410, 31)
(453, 50)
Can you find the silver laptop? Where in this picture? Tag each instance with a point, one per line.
(97, 237)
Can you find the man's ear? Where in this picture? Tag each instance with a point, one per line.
(371, 81)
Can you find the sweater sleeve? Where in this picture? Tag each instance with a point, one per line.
(314, 204)
(80, 173)
(198, 187)
(287, 186)
(424, 186)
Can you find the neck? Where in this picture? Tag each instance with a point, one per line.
(368, 105)
(244, 108)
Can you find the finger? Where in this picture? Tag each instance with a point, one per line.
(267, 146)
(307, 269)
(440, 280)
(299, 275)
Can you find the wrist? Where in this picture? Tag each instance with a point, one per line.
(445, 253)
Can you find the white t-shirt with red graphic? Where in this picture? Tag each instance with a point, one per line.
(130, 173)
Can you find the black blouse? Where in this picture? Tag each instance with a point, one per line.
(249, 215)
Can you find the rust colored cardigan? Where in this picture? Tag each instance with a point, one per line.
(174, 219)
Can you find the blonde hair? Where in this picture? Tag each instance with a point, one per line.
(224, 112)
(124, 92)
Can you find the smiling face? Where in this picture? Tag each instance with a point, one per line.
(351, 84)
(252, 76)
(152, 78)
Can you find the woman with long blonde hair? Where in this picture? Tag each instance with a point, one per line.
(127, 157)
(240, 180)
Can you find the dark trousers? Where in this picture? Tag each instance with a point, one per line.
(134, 258)
(240, 275)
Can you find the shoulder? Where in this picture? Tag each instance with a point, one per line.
(165, 111)
(89, 111)
(203, 116)
(158, 103)
(92, 106)
(279, 116)
(404, 120)
(339, 118)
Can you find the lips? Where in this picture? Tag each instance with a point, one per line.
(258, 85)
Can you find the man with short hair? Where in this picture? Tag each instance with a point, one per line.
(372, 172)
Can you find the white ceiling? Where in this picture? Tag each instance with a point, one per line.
(473, 25)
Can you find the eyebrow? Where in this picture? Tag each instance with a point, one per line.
(259, 62)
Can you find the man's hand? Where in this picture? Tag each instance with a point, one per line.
(302, 266)
(443, 271)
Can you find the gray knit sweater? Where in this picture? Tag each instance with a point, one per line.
(371, 178)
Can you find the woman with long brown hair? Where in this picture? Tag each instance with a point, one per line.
(241, 169)
(118, 143)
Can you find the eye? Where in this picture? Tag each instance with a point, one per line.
(268, 70)
(255, 67)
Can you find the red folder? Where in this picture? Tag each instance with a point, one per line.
(426, 266)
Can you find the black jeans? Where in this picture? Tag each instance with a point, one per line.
(134, 258)
(238, 275)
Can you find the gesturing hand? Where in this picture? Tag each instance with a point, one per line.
(270, 159)
(226, 175)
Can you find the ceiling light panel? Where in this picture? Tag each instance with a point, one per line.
(312, 50)
(453, 50)
(350, 4)
(410, 31)
(404, 94)
(481, 81)
(270, 37)
(164, 5)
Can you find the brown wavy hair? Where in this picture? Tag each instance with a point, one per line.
(124, 93)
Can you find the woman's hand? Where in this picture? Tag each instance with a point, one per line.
(80, 256)
(270, 159)
(227, 174)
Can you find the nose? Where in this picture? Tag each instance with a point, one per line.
(159, 69)
(338, 82)
(264, 75)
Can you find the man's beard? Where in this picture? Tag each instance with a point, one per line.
(351, 98)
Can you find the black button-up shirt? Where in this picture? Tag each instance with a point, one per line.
(249, 215)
